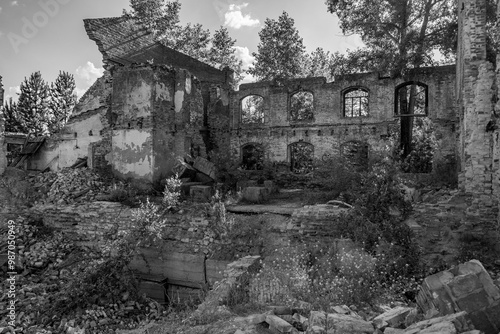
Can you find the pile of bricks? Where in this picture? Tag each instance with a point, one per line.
(468, 288)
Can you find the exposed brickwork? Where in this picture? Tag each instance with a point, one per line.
(329, 129)
(121, 41)
(477, 88)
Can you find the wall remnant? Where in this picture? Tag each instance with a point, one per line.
(359, 107)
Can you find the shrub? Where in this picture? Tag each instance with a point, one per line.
(103, 273)
(324, 276)
(172, 192)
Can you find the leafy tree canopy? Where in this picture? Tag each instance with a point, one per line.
(398, 34)
(280, 52)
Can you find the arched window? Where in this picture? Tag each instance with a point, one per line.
(301, 106)
(355, 102)
(252, 157)
(301, 157)
(411, 99)
(252, 109)
(356, 152)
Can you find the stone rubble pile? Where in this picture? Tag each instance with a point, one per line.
(68, 186)
(399, 320)
(45, 261)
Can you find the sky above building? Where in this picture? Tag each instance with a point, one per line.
(49, 35)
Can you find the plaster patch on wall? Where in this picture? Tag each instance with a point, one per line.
(162, 92)
(179, 99)
(139, 100)
(132, 153)
(188, 85)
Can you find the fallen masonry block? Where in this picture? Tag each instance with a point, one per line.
(320, 322)
(255, 194)
(236, 278)
(467, 287)
(280, 325)
(200, 193)
(394, 317)
(452, 323)
(205, 166)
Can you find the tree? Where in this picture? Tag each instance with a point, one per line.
(319, 63)
(161, 17)
(12, 123)
(62, 100)
(398, 34)
(221, 53)
(280, 51)
(33, 105)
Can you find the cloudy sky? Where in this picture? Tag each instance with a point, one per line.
(49, 36)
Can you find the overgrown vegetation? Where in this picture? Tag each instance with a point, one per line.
(103, 275)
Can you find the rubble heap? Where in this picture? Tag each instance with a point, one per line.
(68, 186)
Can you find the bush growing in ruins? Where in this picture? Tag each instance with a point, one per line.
(172, 192)
(103, 274)
(324, 276)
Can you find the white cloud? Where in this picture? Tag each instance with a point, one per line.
(0, 10)
(14, 3)
(234, 18)
(80, 92)
(244, 55)
(86, 76)
(12, 92)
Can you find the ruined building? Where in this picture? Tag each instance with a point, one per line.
(154, 105)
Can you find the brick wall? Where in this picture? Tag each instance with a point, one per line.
(478, 145)
(329, 129)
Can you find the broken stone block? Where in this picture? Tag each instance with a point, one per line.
(458, 321)
(268, 184)
(390, 330)
(279, 324)
(253, 319)
(255, 194)
(200, 193)
(242, 184)
(205, 166)
(394, 317)
(467, 287)
(320, 322)
(343, 323)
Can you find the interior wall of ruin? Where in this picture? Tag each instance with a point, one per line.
(329, 129)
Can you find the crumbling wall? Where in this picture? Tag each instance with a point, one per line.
(329, 129)
(477, 95)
